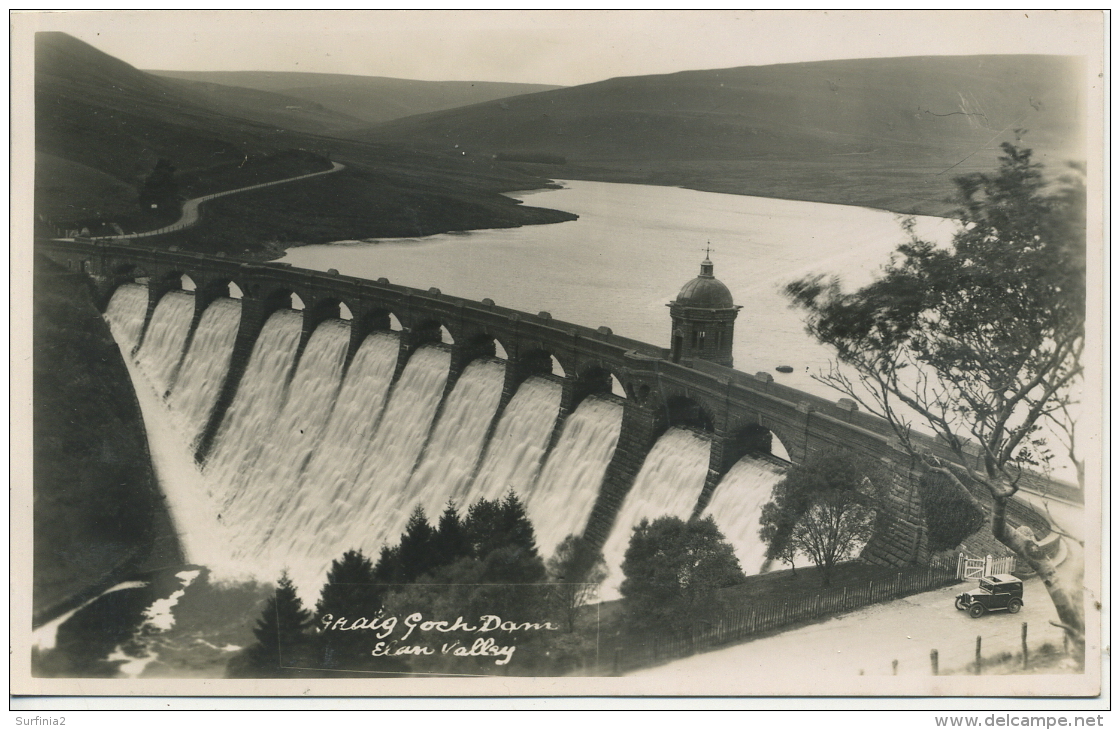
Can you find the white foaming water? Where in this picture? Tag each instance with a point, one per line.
(669, 483)
(736, 506)
(205, 366)
(513, 457)
(289, 442)
(456, 443)
(157, 618)
(561, 501)
(327, 495)
(372, 509)
(125, 314)
(167, 335)
(260, 396)
(204, 540)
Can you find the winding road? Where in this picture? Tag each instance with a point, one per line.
(190, 208)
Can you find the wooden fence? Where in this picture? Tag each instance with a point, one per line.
(626, 654)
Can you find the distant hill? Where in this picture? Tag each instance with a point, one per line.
(370, 99)
(869, 131)
(102, 125)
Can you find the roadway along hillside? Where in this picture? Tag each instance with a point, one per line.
(868, 640)
(190, 208)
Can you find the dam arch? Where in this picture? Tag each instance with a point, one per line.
(659, 392)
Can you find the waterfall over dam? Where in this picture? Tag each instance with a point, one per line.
(315, 456)
(283, 438)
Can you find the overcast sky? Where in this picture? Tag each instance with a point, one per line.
(550, 47)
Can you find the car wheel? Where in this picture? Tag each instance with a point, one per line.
(961, 604)
(976, 610)
(1014, 605)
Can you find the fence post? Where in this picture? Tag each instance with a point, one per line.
(933, 660)
(870, 589)
(894, 667)
(1024, 645)
(977, 654)
(617, 661)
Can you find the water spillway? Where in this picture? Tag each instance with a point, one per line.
(205, 365)
(447, 467)
(249, 419)
(293, 436)
(317, 523)
(561, 500)
(381, 505)
(163, 346)
(736, 507)
(513, 457)
(314, 458)
(125, 313)
(669, 483)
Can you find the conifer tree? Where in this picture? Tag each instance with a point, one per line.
(282, 641)
(417, 553)
(351, 589)
(351, 593)
(450, 542)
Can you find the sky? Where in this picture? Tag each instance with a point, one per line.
(562, 47)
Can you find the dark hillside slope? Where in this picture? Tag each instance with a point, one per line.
(371, 99)
(874, 125)
(102, 126)
(98, 513)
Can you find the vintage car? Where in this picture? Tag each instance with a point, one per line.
(996, 593)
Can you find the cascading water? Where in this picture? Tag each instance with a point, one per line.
(293, 437)
(205, 366)
(302, 473)
(371, 509)
(316, 529)
(560, 503)
(736, 506)
(669, 483)
(167, 335)
(456, 444)
(260, 396)
(513, 457)
(125, 314)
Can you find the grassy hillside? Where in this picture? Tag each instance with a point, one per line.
(279, 110)
(110, 123)
(880, 132)
(370, 99)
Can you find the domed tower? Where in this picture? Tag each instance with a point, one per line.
(703, 320)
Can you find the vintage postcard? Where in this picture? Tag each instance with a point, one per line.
(559, 353)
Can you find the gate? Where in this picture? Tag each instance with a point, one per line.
(975, 568)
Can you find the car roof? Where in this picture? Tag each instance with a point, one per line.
(1002, 578)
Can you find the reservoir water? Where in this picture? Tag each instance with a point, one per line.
(630, 252)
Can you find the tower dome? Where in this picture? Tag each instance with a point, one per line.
(703, 317)
(705, 291)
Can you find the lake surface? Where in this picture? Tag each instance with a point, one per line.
(633, 248)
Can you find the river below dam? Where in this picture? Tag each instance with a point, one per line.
(287, 484)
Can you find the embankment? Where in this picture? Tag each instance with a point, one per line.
(98, 511)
